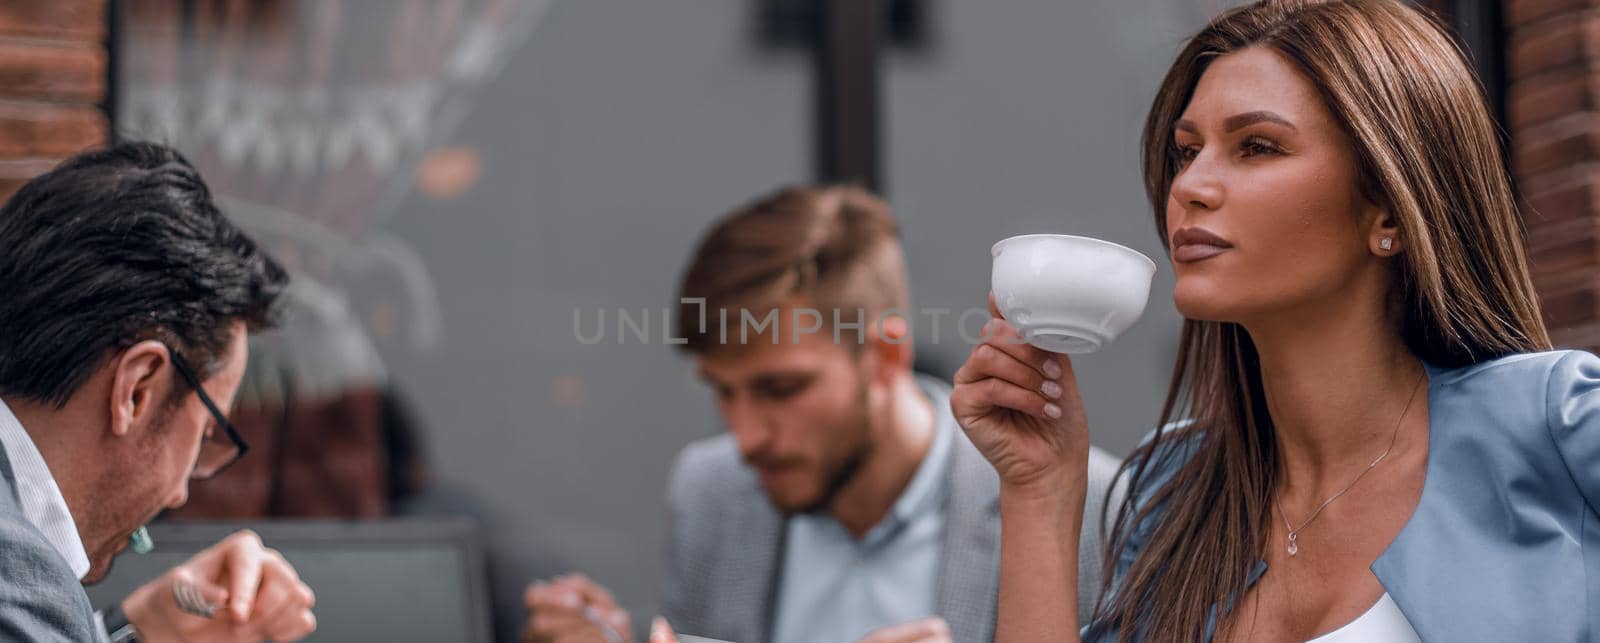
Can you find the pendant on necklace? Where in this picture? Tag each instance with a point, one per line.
(1293, 548)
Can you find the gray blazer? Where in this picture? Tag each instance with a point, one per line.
(725, 550)
(40, 599)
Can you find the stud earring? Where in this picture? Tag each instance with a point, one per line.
(1386, 243)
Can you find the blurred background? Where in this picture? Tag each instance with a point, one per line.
(475, 194)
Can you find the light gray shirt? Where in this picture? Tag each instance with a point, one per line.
(836, 588)
(42, 503)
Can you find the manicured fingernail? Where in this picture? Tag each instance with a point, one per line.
(1051, 390)
(1052, 370)
(1053, 411)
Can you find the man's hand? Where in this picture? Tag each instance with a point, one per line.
(257, 593)
(925, 630)
(661, 631)
(574, 609)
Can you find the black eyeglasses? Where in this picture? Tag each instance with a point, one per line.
(221, 448)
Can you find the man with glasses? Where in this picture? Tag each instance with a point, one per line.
(125, 302)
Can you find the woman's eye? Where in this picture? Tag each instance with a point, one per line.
(1185, 153)
(1256, 147)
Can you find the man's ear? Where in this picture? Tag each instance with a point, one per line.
(140, 381)
(889, 339)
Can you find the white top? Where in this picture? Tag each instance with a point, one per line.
(1382, 623)
(42, 503)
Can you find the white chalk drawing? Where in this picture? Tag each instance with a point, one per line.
(309, 120)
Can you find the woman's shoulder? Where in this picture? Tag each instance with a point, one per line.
(1526, 412)
(1551, 388)
(1514, 369)
(1159, 456)
(1554, 388)
(1164, 450)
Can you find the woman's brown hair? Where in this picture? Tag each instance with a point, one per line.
(1427, 151)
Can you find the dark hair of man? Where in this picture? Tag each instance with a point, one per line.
(113, 247)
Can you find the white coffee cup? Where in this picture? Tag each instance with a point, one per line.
(1069, 294)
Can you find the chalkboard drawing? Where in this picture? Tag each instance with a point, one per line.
(309, 119)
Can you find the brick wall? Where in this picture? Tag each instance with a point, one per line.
(1553, 113)
(52, 82)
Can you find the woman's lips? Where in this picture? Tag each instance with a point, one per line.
(1194, 243)
(1196, 251)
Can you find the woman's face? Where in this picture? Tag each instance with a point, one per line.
(1265, 216)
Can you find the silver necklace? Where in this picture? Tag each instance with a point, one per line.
(1294, 532)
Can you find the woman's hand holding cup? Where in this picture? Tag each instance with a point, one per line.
(1020, 406)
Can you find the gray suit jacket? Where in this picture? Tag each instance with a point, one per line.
(726, 544)
(40, 599)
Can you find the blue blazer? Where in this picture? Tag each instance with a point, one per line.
(1504, 544)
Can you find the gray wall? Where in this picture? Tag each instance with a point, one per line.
(1024, 118)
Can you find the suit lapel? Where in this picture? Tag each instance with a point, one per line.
(1454, 574)
(969, 580)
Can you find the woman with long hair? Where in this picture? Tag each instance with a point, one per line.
(1360, 441)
